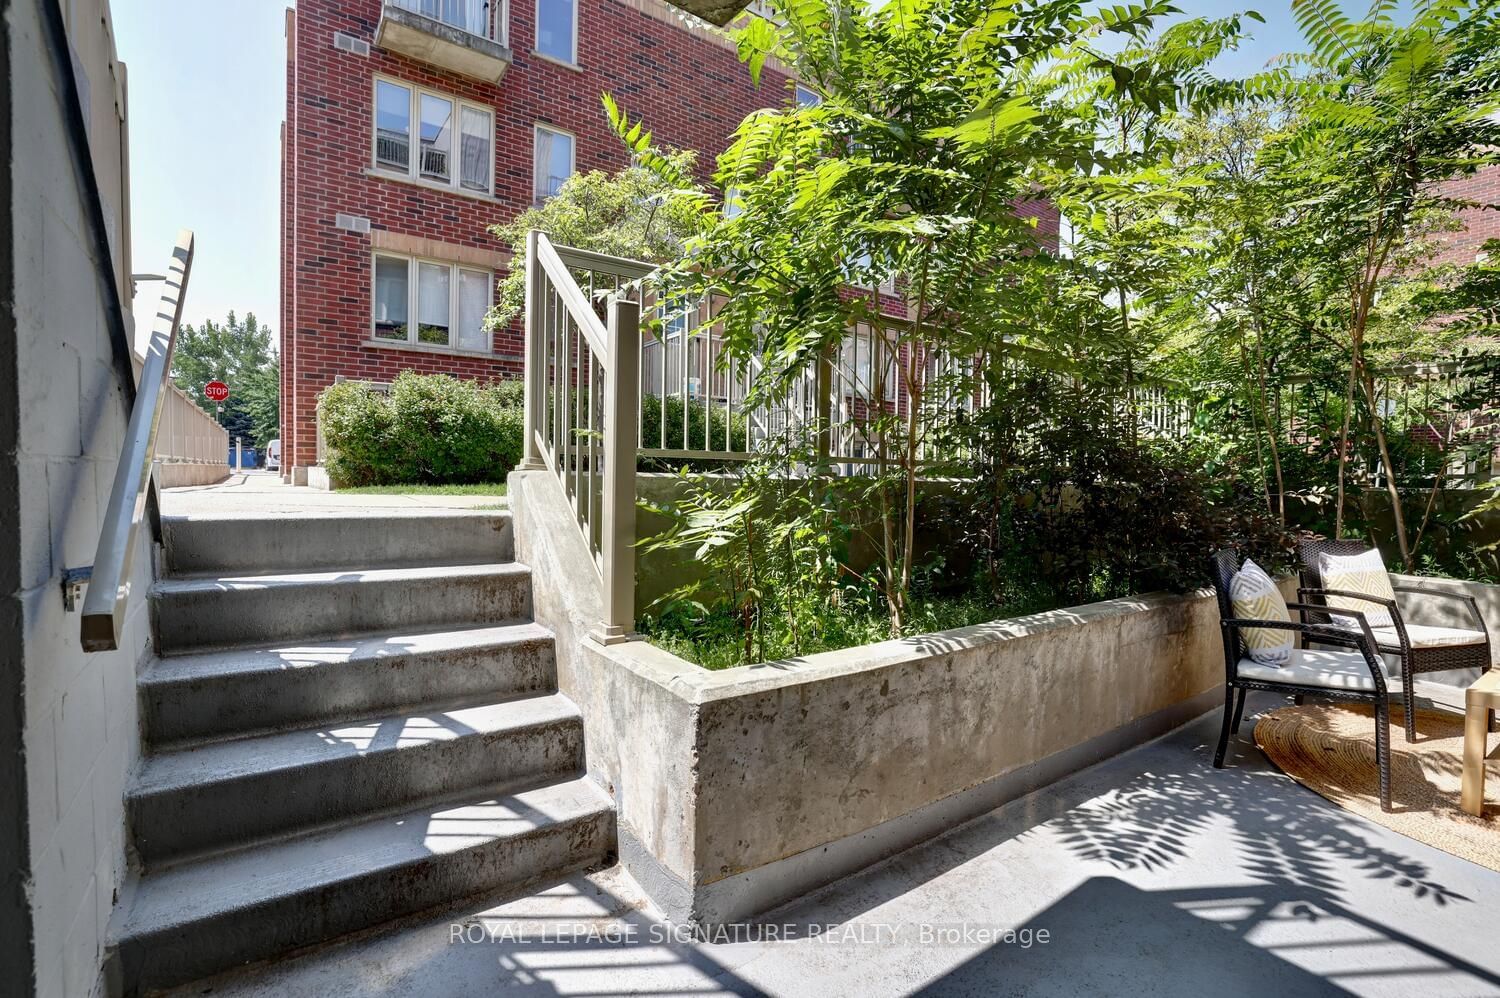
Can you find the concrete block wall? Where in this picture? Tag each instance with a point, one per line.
(68, 731)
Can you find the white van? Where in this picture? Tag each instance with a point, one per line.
(273, 455)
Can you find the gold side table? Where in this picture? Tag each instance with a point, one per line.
(1479, 700)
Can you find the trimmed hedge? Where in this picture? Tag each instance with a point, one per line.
(430, 429)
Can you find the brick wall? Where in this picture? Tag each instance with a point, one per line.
(688, 85)
(685, 82)
(1479, 225)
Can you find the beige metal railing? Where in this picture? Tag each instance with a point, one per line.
(602, 393)
(581, 373)
(130, 497)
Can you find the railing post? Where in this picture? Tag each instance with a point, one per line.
(617, 536)
(532, 377)
(823, 401)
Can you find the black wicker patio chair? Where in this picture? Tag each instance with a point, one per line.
(1358, 676)
(1421, 648)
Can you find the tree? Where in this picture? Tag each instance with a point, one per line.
(627, 214)
(238, 353)
(262, 402)
(936, 118)
(1383, 115)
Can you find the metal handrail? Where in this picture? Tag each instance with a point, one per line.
(580, 424)
(109, 579)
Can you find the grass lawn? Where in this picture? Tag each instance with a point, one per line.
(482, 489)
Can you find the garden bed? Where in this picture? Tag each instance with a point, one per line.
(741, 787)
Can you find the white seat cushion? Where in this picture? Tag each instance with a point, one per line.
(1333, 670)
(1420, 635)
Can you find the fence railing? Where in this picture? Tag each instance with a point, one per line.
(619, 370)
(478, 17)
(582, 357)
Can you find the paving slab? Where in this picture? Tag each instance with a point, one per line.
(1150, 874)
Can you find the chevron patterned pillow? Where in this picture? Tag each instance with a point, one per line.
(1358, 573)
(1254, 596)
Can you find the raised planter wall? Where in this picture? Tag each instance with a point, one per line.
(742, 788)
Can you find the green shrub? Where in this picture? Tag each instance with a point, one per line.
(428, 429)
(697, 415)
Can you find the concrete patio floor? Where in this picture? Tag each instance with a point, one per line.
(1151, 873)
(262, 493)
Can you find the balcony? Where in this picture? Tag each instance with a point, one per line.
(467, 37)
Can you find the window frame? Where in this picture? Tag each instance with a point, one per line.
(413, 171)
(536, 37)
(864, 335)
(413, 305)
(537, 128)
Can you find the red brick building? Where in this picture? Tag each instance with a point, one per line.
(1480, 225)
(413, 125)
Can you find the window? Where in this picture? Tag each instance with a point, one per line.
(474, 150)
(473, 302)
(554, 161)
(448, 301)
(806, 97)
(733, 206)
(390, 298)
(455, 141)
(392, 126)
(859, 366)
(437, 138)
(557, 29)
(434, 303)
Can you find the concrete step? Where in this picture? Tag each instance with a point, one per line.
(244, 545)
(229, 793)
(203, 917)
(187, 698)
(236, 611)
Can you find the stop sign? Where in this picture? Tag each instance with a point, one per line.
(216, 391)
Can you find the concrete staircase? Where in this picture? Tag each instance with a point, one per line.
(352, 719)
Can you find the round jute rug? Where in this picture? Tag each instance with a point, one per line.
(1330, 749)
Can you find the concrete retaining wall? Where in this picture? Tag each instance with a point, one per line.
(1451, 613)
(741, 788)
(178, 474)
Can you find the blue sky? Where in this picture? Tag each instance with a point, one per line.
(207, 95)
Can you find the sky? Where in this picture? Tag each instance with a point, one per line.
(207, 95)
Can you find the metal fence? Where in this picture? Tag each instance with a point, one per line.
(619, 371)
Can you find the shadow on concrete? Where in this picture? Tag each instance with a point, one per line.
(1289, 858)
(1109, 937)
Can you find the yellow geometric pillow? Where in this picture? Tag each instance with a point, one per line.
(1254, 596)
(1357, 573)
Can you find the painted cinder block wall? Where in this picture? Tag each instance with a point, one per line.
(688, 85)
(68, 732)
